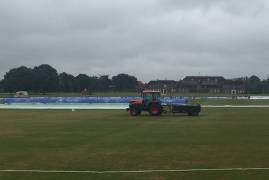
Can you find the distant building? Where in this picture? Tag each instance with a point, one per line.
(165, 86)
(199, 84)
(233, 86)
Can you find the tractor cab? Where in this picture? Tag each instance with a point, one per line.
(151, 96)
(150, 102)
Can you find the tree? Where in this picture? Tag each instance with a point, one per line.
(103, 83)
(124, 82)
(253, 85)
(93, 83)
(266, 86)
(18, 79)
(82, 82)
(66, 82)
(45, 78)
(1, 86)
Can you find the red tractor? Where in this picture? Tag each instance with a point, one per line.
(151, 103)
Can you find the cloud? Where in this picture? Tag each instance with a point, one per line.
(153, 39)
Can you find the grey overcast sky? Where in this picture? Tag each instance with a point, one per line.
(151, 39)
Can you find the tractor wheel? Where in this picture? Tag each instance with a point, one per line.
(155, 110)
(134, 111)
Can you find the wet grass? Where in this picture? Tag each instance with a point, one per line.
(112, 140)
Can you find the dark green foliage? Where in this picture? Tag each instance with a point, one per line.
(124, 82)
(93, 83)
(104, 83)
(253, 85)
(18, 79)
(82, 82)
(66, 82)
(45, 78)
(265, 85)
(1, 86)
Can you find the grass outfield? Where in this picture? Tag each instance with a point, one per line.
(112, 140)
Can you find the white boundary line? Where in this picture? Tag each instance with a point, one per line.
(130, 171)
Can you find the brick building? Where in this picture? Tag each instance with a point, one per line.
(199, 84)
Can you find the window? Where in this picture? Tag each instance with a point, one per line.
(151, 96)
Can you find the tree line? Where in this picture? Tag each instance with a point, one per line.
(254, 85)
(45, 78)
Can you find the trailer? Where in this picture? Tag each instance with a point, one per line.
(151, 103)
